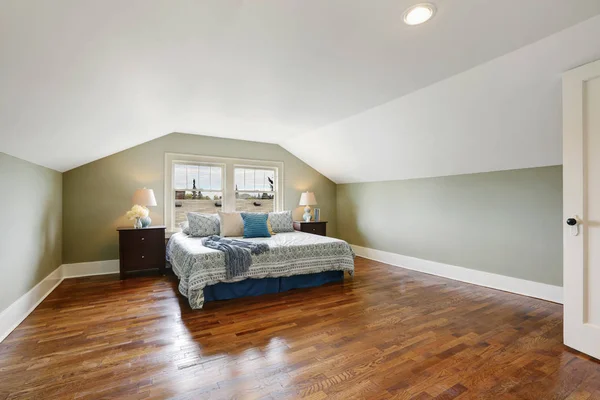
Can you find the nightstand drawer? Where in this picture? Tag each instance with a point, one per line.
(142, 257)
(316, 228)
(141, 238)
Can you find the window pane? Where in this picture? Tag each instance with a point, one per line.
(255, 179)
(265, 180)
(215, 178)
(259, 180)
(249, 179)
(255, 202)
(260, 184)
(203, 177)
(196, 201)
(239, 179)
(270, 180)
(180, 176)
(192, 176)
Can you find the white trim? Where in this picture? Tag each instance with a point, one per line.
(487, 279)
(14, 314)
(90, 269)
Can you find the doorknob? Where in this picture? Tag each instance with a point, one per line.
(574, 222)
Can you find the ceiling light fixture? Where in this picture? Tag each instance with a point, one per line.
(419, 13)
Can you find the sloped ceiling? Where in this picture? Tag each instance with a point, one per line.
(83, 79)
(501, 115)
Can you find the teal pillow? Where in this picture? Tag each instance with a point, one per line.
(255, 225)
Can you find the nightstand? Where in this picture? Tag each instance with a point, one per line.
(314, 227)
(142, 249)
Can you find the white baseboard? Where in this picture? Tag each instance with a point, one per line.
(487, 279)
(90, 269)
(12, 316)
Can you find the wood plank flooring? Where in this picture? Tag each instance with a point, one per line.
(389, 333)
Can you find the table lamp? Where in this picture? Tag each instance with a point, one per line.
(145, 198)
(307, 199)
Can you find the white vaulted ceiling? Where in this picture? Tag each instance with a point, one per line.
(504, 114)
(83, 79)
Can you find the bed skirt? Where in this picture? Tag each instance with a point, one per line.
(257, 287)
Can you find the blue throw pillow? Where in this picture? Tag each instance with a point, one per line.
(255, 225)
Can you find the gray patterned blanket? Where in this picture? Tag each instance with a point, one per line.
(237, 253)
(290, 253)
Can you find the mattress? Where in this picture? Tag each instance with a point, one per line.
(290, 253)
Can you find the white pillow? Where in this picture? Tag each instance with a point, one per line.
(232, 224)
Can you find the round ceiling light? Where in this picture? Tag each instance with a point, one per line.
(419, 13)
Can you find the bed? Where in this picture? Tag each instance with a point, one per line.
(295, 259)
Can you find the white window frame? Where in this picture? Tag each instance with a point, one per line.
(228, 166)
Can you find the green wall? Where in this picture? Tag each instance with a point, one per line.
(31, 215)
(97, 195)
(508, 223)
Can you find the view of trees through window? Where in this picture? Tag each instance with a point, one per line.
(255, 189)
(200, 188)
(197, 188)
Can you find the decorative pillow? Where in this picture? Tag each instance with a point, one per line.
(255, 225)
(281, 221)
(202, 225)
(185, 227)
(232, 224)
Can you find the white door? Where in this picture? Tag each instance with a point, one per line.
(581, 199)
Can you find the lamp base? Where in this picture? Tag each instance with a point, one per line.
(146, 222)
(306, 217)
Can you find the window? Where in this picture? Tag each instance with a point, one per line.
(255, 190)
(209, 184)
(196, 188)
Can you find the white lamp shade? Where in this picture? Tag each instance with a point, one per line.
(308, 199)
(144, 197)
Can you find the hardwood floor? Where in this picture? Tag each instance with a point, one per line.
(388, 333)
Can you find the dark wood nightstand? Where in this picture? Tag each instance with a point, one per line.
(142, 249)
(314, 227)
